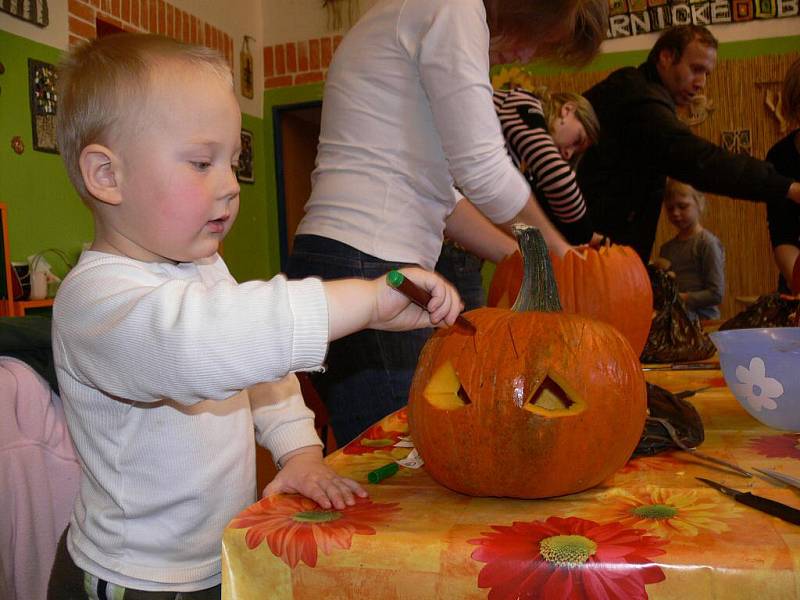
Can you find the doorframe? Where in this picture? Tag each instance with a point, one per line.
(278, 113)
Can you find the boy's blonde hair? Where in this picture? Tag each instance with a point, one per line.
(103, 85)
(791, 91)
(678, 188)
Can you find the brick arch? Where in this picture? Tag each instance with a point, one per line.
(145, 16)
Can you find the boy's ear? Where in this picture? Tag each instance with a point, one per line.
(99, 167)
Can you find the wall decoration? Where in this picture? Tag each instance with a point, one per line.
(32, 11)
(246, 68)
(17, 145)
(737, 141)
(773, 99)
(245, 171)
(42, 90)
(699, 109)
(636, 17)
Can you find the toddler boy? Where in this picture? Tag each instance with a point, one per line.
(155, 343)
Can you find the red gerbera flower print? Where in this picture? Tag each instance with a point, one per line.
(777, 446)
(294, 526)
(374, 439)
(567, 558)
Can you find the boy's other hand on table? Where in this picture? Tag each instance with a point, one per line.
(304, 472)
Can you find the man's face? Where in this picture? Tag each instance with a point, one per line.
(686, 78)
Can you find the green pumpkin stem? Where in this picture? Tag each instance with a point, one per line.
(539, 291)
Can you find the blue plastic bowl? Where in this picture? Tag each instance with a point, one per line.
(762, 369)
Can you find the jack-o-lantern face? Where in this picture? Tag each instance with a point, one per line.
(550, 398)
(534, 404)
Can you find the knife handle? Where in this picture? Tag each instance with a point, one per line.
(771, 507)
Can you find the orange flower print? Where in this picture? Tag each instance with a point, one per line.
(666, 513)
(295, 527)
(659, 462)
(359, 466)
(567, 559)
(398, 420)
(373, 439)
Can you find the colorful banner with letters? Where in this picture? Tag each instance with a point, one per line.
(635, 17)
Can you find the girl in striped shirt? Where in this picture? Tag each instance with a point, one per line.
(546, 134)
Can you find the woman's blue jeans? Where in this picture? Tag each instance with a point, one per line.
(463, 270)
(368, 373)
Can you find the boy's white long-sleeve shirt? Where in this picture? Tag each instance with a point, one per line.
(151, 358)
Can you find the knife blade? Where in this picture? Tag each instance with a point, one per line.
(765, 505)
(787, 479)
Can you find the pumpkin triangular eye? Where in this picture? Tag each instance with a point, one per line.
(553, 398)
(444, 390)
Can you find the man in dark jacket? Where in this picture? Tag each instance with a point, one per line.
(642, 142)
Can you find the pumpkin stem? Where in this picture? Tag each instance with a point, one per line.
(539, 291)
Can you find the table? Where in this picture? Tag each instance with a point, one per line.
(650, 531)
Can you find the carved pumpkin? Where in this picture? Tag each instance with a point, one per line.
(609, 284)
(537, 403)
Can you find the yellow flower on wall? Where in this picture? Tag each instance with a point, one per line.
(512, 77)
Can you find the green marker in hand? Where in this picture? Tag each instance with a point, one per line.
(417, 295)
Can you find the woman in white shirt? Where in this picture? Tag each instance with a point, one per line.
(407, 113)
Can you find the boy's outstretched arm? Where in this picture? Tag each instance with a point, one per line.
(305, 473)
(355, 304)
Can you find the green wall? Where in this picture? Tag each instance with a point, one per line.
(43, 209)
(247, 249)
(46, 212)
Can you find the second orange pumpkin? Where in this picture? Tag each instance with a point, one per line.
(609, 284)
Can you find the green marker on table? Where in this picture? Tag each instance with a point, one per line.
(418, 296)
(383, 472)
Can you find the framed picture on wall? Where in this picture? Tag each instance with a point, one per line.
(44, 103)
(32, 11)
(245, 172)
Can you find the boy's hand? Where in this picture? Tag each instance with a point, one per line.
(305, 473)
(356, 304)
(395, 312)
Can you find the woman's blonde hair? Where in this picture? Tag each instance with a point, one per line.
(569, 32)
(678, 188)
(791, 91)
(552, 102)
(103, 86)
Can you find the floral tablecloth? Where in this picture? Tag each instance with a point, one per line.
(650, 531)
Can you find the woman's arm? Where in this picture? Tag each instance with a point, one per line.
(477, 234)
(532, 214)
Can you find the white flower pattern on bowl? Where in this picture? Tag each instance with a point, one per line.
(755, 387)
